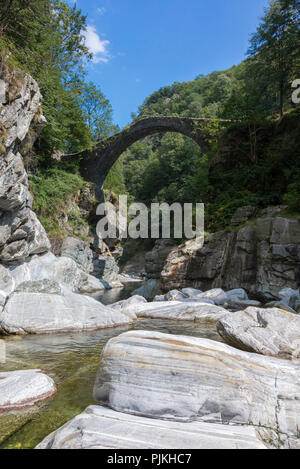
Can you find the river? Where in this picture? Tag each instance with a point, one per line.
(72, 360)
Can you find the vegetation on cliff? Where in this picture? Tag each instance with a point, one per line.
(46, 38)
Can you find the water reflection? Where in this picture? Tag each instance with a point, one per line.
(117, 294)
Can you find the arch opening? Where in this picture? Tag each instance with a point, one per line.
(96, 164)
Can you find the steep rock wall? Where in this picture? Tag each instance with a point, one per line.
(262, 257)
(21, 234)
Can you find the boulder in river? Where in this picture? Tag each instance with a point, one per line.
(133, 300)
(174, 295)
(21, 395)
(267, 331)
(62, 270)
(24, 388)
(102, 428)
(39, 313)
(181, 378)
(184, 310)
(238, 294)
(191, 292)
(217, 295)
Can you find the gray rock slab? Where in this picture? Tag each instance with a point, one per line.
(99, 428)
(191, 292)
(79, 251)
(182, 378)
(185, 310)
(174, 295)
(217, 295)
(37, 313)
(271, 332)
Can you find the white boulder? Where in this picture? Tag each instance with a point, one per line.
(267, 331)
(24, 388)
(218, 296)
(239, 294)
(38, 313)
(177, 310)
(191, 292)
(180, 378)
(174, 295)
(102, 428)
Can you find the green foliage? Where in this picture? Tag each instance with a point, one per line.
(97, 111)
(275, 49)
(115, 179)
(292, 197)
(53, 190)
(46, 39)
(78, 224)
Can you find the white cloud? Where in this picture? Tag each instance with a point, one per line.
(98, 47)
(101, 10)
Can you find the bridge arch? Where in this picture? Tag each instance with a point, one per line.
(95, 164)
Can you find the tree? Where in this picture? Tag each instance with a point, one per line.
(246, 108)
(18, 16)
(46, 38)
(275, 48)
(97, 111)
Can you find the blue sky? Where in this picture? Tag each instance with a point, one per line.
(142, 45)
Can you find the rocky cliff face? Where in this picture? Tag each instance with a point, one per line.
(261, 257)
(21, 234)
(155, 259)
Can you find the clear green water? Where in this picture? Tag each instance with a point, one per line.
(72, 360)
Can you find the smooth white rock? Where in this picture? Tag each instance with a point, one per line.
(203, 301)
(40, 242)
(91, 284)
(177, 310)
(191, 292)
(128, 306)
(63, 270)
(38, 313)
(174, 295)
(133, 300)
(3, 297)
(99, 428)
(218, 296)
(7, 284)
(159, 298)
(24, 388)
(271, 331)
(187, 378)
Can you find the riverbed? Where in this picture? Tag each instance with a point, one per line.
(72, 360)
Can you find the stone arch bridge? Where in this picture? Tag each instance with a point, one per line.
(96, 163)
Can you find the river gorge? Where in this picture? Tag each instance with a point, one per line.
(146, 340)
